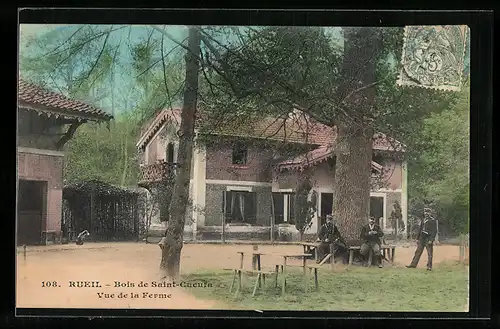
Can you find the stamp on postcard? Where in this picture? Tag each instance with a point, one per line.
(433, 56)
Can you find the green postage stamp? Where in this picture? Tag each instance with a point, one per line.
(433, 56)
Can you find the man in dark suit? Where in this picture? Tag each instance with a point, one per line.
(425, 239)
(370, 235)
(328, 235)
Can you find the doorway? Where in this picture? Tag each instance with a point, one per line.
(31, 205)
(326, 207)
(377, 209)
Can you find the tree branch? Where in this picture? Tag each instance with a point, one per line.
(97, 59)
(69, 134)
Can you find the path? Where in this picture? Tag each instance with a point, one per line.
(133, 262)
(101, 265)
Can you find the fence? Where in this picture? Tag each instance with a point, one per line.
(218, 227)
(108, 212)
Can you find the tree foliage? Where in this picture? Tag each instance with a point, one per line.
(440, 170)
(276, 69)
(107, 155)
(305, 206)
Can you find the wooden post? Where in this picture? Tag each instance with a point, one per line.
(255, 249)
(332, 251)
(397, 229)
(462, 248)
(283, 277)
(256, 283)
(437, 232)
(223, 220)
(306, 278)
(272, 229)
(24, 251)
(239, 284)
(241, 260)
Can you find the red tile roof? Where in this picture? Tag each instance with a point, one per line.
(296, 129)
(292, 130)
(311, 158)
(47, 101)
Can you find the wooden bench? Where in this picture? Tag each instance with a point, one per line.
(260, 274)
(387, 251)
(316, 267)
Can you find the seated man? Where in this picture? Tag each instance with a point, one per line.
(329, 234)
(370, 235)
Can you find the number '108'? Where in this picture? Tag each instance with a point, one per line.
(49, 284)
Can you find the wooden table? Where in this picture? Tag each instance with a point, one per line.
(309, 246)
(304, 257)
(257, 257)
(304, 263)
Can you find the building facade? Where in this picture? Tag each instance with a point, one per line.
(46, 121)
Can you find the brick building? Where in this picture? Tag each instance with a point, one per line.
(245, 178)
(46, 121)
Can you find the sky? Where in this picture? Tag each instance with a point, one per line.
(136, 33)
(123, 79)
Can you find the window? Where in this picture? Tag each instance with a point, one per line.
(240, 152)
(283, 205)
(170, 153)
(379, 159)
(240, 207)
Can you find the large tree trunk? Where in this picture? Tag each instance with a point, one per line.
(173, 241)
(351, 207)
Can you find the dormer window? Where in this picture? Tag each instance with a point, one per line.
(240, 152)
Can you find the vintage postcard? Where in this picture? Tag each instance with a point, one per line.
(243, 168)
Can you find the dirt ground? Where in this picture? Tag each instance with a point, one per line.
(135, 262)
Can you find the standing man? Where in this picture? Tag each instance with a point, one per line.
(397, 217)
(329, 234)
(425, 239)
(370, 235)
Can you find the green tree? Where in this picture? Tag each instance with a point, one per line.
(305, 206)
(440, 171)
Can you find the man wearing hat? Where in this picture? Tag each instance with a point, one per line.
(329, 234)
(425, 239)
(371, 234)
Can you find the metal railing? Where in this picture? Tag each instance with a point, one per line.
(156, 172)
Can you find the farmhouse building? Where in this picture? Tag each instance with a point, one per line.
(244, 177)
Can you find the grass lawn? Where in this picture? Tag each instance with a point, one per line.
(348, 289)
